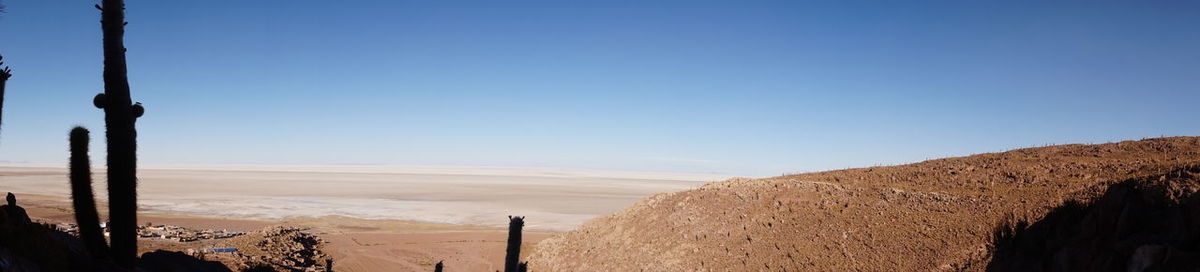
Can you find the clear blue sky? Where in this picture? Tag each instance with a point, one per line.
(740, 87)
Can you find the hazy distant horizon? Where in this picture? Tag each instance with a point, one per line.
(99, 167)
(99, 164)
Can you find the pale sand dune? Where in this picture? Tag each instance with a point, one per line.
(552, 199)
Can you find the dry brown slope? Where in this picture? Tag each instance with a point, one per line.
(933, 215)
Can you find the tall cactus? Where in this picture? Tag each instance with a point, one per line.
(5, 73)
(82, 196)
(119, 117)
(512, 257)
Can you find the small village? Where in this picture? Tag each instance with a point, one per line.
(283, 247)
(165, 232)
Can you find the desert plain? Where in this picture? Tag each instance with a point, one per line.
(372, 218)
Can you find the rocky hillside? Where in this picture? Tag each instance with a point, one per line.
(276, 248)
(945, 214)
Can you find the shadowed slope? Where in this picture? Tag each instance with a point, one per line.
(937, 214)
(1145, 224)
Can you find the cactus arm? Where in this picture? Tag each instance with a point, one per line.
(82, 197)
(5, 73)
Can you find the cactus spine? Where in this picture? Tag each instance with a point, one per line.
(512, 257)
(119, 115)
(82, 196)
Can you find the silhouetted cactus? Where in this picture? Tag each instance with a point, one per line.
(14, 214)
(82, 196)
(512, 257)
(119, 117)
(523, 267)
(5, 73)
(437, 267)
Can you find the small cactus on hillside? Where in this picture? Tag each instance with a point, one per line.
(437, 267)
(82, 197)
(512, 257)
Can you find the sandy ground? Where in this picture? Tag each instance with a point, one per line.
(374, 218)
(354, 244)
